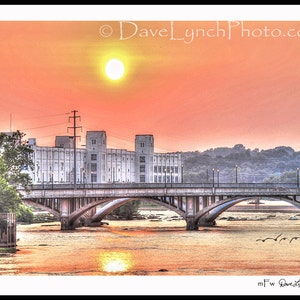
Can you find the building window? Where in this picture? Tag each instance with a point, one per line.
(94, 142)
(93, 167)
(142, 145)
(142, 159)
(142, 168)
(142, 178)
(155, 169)
(93, 177)
(93, 156)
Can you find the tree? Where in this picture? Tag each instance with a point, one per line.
(127, 211)
(24, 214)
(15, 161)
(16, 155)
(9, 197)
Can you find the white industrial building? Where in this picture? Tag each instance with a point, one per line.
(98, 164)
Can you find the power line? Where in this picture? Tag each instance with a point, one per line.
(45, 116)
(44, 126)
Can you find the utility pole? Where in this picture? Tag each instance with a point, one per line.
(74, 128)
(10, 123)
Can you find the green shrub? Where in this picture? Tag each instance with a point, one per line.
(24, 214)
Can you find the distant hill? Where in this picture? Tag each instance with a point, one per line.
(272, 165)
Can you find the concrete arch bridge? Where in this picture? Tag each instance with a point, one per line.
(198, 204)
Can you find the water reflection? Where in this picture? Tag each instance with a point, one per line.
(144, 247)
(113, 262)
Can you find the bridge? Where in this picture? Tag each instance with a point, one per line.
(198, 204)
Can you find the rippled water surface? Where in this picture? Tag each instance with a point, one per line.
(161, 248)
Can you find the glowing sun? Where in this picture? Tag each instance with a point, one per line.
(114, 69)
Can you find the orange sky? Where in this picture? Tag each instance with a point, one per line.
(191, 93)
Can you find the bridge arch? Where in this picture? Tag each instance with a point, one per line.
(51, 210)
(75, 215)
(114, 204)
(208, 215)
(111, 205)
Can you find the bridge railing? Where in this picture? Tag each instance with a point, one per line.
(116, 185)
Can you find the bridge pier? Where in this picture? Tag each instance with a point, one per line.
(191, 223)
(65, 224)
(65, 204)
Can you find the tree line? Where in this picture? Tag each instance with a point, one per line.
(239, 164)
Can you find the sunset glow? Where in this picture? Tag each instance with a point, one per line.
(194, 85)
(114, 262)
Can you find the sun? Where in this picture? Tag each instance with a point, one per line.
(114, 69)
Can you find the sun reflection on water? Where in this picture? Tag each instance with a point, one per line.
(114, 262)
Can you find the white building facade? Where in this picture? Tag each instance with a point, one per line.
(96, 163)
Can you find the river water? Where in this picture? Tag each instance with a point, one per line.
(158, 256)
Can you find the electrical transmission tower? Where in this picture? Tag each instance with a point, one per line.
(75, 136)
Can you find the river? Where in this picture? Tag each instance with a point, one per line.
(158, 256)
